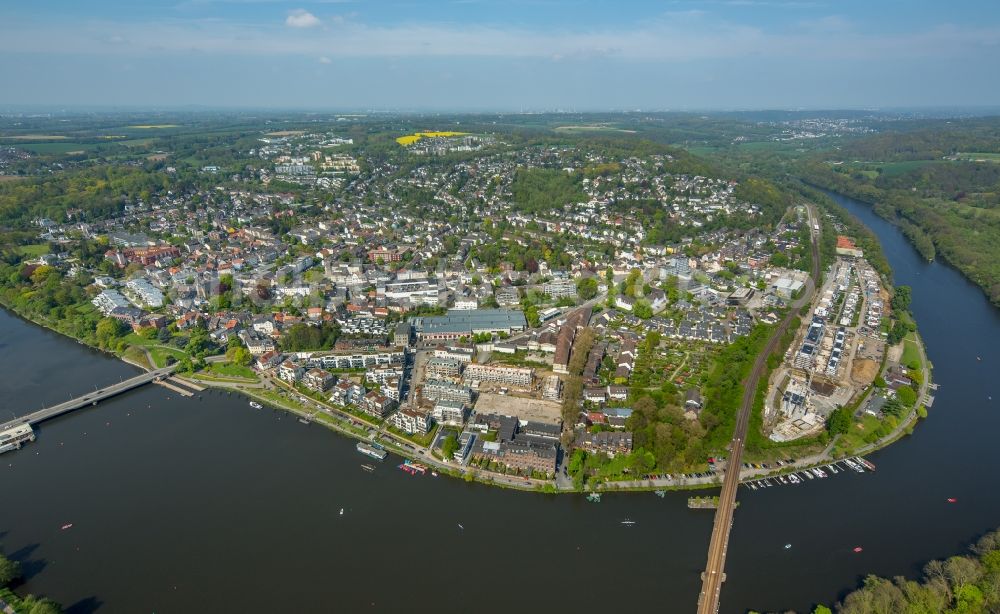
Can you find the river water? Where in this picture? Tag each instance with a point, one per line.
(206, 505)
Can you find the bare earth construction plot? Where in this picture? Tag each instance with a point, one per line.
(534, 410)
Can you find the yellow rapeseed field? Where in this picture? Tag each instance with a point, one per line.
(410, 139)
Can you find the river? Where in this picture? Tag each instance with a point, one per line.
(207, 505)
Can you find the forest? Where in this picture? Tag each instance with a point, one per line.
(963, 226)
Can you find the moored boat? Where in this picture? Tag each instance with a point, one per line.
(372, 449)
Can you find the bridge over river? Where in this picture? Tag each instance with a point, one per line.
(714, 574)
(90, 398)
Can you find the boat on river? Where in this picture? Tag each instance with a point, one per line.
(594, 497)
(14, 437)
(372, 449)
(255, 405)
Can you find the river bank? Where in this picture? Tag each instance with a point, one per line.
(916, 235)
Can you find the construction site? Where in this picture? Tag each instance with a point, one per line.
(837, 351)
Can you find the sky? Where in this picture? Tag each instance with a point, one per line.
(501, 55)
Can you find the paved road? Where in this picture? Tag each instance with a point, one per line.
(714, 575)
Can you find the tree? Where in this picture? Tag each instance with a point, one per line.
(839, 421)
(34, 605)
(448, 446)
(586, 288)
(239, 355)
(108, 330)
(901, 298)
(907, 396)
(642, 309)
(9, 570)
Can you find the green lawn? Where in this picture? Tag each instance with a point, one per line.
(229, 369)
(136, 355)
(33, 250)
(160, 355)
(156, 349)
(134, 339)
(858, 435)
(910, 353)
(420, 440)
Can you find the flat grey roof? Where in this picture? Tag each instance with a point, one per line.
(464, 320)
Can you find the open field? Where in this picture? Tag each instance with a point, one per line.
(979, 157)
(592, 128)
(9, 178)
(33, 250)
(525, 409)
(60, 147)
(898, 168)
(154, 126)
(285, 133)
(35, 137)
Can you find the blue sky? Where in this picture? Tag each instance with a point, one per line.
(502, 54)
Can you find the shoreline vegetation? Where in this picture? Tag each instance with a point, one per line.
(11, 574)
(930, 232)
(967, 584)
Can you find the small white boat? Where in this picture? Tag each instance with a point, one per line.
(67, 526)
(628, 523)
(255, 405)
(787, 546)
(341, 511)
(460, 526)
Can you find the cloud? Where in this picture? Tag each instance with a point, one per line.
(325, 60)
(301, 18)
(681, 36)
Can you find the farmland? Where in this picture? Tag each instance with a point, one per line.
(410, 139)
